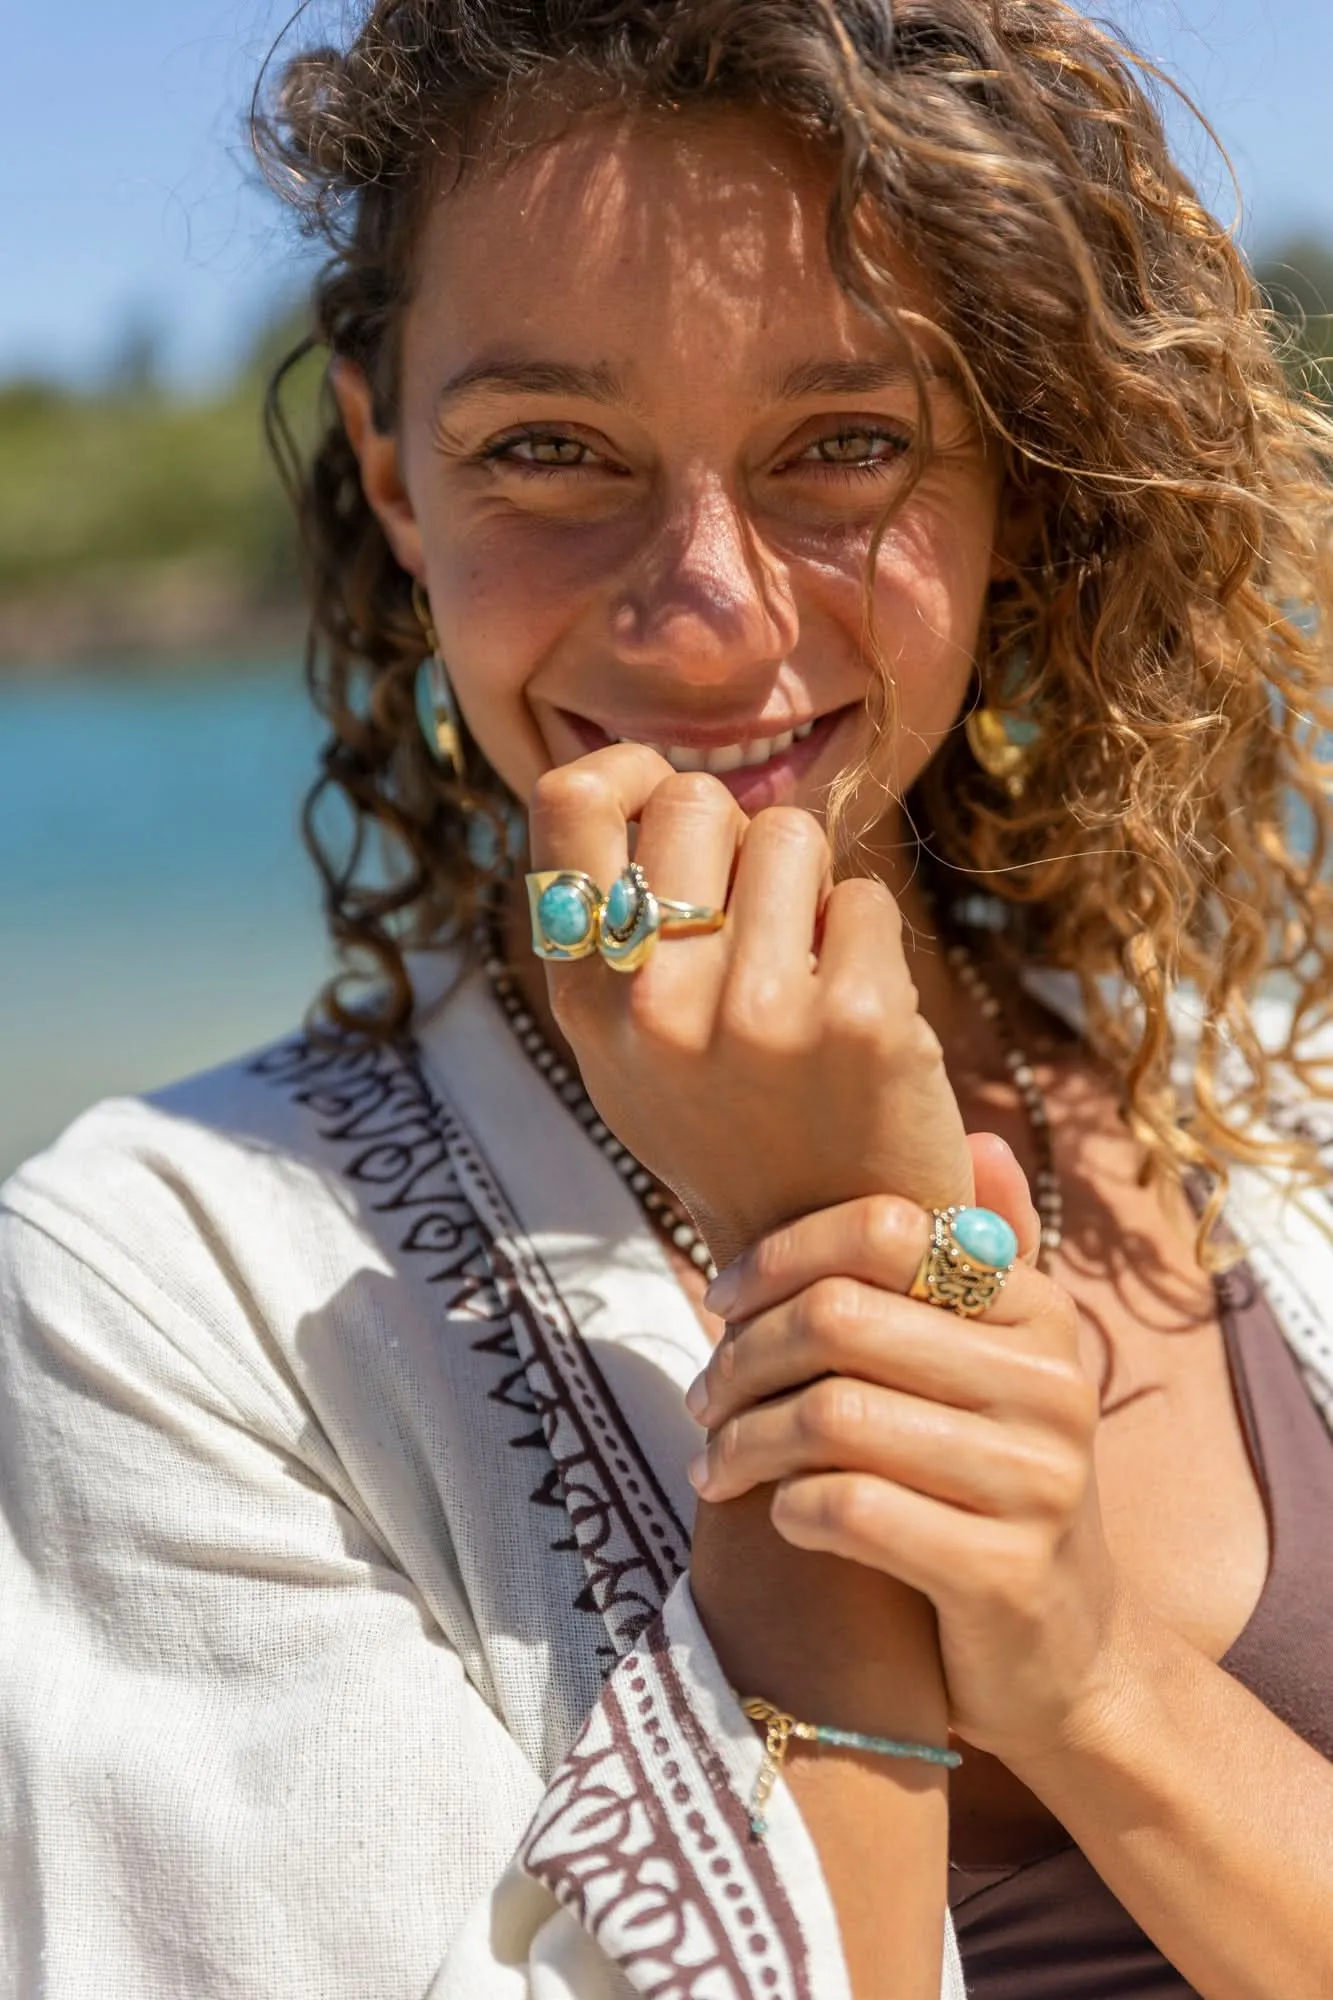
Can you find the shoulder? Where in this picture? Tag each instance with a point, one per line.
(208, 1152)
(230, 1228)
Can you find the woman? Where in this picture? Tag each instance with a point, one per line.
(844, 473)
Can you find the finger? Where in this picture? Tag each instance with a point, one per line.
(782, 876)
(879, 1239)
(580, 819)
(842, 1425)
(581, 812)
(1001, 1184)
(690, 831)
(861, 939)
(935, 1549)
(841, 1327)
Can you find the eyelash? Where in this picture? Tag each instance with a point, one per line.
(500, 452)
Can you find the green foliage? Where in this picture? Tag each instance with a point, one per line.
(133, 478)
(1297, 280)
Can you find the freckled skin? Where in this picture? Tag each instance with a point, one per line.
(691, 546)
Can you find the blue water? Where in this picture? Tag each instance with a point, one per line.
(157, 909)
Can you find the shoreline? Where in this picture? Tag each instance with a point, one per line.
(174, 615)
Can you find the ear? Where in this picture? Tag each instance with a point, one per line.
(378, 456)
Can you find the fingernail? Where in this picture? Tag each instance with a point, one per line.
(699, 1472)
(696, 1396)
(724, 1291)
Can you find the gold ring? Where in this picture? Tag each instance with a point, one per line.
(632, 919)
(564, 905)
(970, 1254)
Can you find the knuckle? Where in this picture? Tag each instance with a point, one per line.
(830, 1308)
(849, 1507)
(659, 1015)
(1056, 1480)
(791, 826)
(856, 1011)
(1063, 1317)
(870, 900)
(567, 790)
(755, 1012)
(691, 789)
(887, 1229)
(921, 1045)
(830, 1410)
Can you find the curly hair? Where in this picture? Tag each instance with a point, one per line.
(1167, 642)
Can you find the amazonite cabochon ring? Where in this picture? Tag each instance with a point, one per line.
(970, 1254)
(564, 905)
(632, 919)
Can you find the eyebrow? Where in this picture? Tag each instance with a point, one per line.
(599, 382)
(859, 378)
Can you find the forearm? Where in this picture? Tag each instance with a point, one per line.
(1208, 1818)
(832, 1642)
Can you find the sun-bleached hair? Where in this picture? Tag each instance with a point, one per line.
(1167, 633)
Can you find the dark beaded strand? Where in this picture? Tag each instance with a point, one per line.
(1046, 1181)
(670, 1221)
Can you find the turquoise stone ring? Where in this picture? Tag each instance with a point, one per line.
(985, 1238)
(970, 1254)
(632, 919)
(572, 919)
(564, 905)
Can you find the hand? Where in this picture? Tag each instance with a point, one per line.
(755, 1085)
(953, 1454)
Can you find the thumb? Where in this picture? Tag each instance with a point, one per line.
(1002, 1185)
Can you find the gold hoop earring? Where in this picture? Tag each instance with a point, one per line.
(441, 724)
(1006, 758)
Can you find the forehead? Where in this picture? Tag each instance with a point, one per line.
(681, 226)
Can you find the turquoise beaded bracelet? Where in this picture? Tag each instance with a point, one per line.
(779, 1730)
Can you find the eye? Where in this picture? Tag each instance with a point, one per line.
(542, 452)
(858, 448)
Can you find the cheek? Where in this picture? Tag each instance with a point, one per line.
(930, 593)
(501, 612)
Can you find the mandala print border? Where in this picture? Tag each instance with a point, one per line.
(378, 1100)
(641, 1836)
(729, 1935)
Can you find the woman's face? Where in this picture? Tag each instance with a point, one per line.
(644, 442)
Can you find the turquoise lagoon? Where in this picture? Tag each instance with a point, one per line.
(158, 913)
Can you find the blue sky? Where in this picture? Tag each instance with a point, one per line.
(129, 199)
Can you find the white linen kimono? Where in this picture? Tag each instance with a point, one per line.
(346, 1651)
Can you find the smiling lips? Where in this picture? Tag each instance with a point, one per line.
(727, 756)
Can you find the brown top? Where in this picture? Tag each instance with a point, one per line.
(1050, 1929)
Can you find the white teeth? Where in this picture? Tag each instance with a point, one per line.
(729, 756)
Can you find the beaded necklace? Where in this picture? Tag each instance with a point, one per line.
(665, 1215)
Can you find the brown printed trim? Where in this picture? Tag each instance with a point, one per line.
(414, 1148)
(641, 1837)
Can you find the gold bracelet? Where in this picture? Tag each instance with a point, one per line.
(779, 1728)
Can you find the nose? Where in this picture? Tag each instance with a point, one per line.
(704, 599)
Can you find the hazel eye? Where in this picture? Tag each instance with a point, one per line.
(859, 446)
(540, 449)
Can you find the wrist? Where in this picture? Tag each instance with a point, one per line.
(824, 1639)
